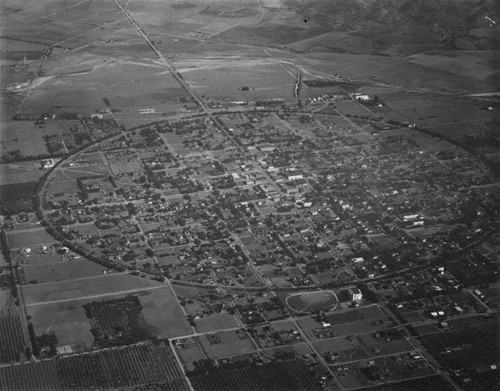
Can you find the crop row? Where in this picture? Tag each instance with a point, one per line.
(40, 376)
(12, 337)
(144, 367)
(466, 348)
(277, 376)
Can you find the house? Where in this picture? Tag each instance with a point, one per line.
(46, 164)
(351, 294)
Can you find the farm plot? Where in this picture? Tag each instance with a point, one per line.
(61, 271)
(215, 322)
(12, 335)
(90, 288)
(36, 257)
(5, 298)
(287, 352)
(133, 366)
(19, 172)
(470, 347)
(360, 327)
(376, 345)
(87, 229)
(163, 314)
(332, 345)
(226, 76)
(307, 325)
(226, 343)
(23, 139)
(397, 367)
(3, 261)
(61, 184)
(67, 319)
(40, 376)
(492, 296)
(290, 375)
(436, 382)
(117, 322)
(191, 355)
(32, 237)
(353, 109)
(360, 347)
(358, 321)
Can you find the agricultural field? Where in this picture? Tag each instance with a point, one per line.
(39, 255)
(93, 287)
(280, 376)
(117, 322)
(61, 271)
(226, 343)
(67, 319)
(378, 371)
(353, 109)
(23, 140)
(345, 323)
(13, 338)
(28, 238)
(467, 347)
(264, 77)
(18, 173)
(163, 314)
(133, 366)
(364, 346)
(435, 382)
(16, 198)
(32, 376)
(3, 261)
(215, 322)
(301, 350)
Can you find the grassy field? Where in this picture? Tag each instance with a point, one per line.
(92, 287)
(26, 138)
(32, 237)
(163, 314)
(60, 183)
(66, 319)
(222, 77)
(60, 271)
(368, 68)
(230, 344)
(20, 172)
(215, 322)
(467, 64)
(35, 258)
(3, 261)
(96, 78)
(190, 355)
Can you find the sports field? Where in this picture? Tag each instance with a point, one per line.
(312, 301)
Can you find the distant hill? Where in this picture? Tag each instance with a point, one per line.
(461, 24)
